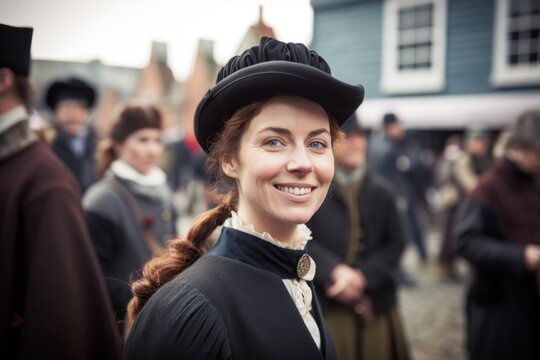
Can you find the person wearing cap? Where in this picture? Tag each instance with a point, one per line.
(357, 244)
(54, 303)
(389, 159)
(464, 168)
(129, 212)
(75, 143)
(498, 232)
(268, 126)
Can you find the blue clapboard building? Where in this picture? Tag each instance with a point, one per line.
(437, 64)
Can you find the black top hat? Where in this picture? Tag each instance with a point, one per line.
(71, 88)
(273, 68)
(15, 48)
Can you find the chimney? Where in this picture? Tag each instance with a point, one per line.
(159, 51)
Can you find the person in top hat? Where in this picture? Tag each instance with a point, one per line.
(71, 100)
(129, 212)
(498, 232)
(357, 243)
(268, 126)
(54, 303)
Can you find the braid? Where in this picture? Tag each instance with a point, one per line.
(183, 251)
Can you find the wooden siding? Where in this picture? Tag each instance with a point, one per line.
(349, 38)
(348, 34)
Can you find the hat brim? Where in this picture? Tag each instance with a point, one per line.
(268, 79)
(65, 90)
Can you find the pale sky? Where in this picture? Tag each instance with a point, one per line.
(120, 32)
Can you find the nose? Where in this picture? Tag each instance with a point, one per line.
(300, 162)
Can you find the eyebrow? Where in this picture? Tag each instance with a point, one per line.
(284, 131)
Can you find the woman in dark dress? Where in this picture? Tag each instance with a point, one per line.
(268, 126)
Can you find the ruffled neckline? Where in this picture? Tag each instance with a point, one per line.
(303, 233)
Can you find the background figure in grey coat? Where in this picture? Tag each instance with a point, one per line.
(129, 212)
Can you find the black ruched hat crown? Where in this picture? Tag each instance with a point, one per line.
(270, 69)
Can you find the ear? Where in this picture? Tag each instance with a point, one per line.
(229, 166)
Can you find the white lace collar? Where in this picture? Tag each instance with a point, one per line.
(303, 233)
(155, 177)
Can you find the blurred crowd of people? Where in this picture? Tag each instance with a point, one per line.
(79, 217)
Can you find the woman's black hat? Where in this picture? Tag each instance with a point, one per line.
(273, 68)
(71, 88)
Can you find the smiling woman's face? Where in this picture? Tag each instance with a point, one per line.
(284, 165)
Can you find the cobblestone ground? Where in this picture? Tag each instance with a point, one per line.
(433, 310)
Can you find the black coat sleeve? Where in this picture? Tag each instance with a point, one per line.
(383, 260)
(178, 323)
(480, 238)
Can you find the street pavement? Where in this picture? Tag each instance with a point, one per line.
(433, 310)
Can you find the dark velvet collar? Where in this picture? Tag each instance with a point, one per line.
(251, 250)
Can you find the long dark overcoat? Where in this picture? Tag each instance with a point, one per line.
(493, 226)
(53, 304)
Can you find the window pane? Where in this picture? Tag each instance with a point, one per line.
(407, 56)
(423, 35)
(423, 15)
(407, 37)
(406, 18)
(423, 54)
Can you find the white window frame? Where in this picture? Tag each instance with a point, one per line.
(394, 80)
(502, 74)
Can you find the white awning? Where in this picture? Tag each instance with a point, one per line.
(496, 111)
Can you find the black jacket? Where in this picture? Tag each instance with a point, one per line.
(494, 224)
(382, 243)
(224, 308)
(84, 167)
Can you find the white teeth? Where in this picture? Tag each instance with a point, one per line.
(294, 190)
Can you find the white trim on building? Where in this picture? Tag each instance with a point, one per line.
(503, 73)
(495, 110)
(396, 80)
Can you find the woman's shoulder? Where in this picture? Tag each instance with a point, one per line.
(178, 321)
(101, 197)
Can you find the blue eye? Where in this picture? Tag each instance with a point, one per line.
(317, 145)
(273, 142)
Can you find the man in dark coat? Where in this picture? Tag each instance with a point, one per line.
(357, 243)
(75, 143)
(498, 232)
(53, 303)
(389, 159)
